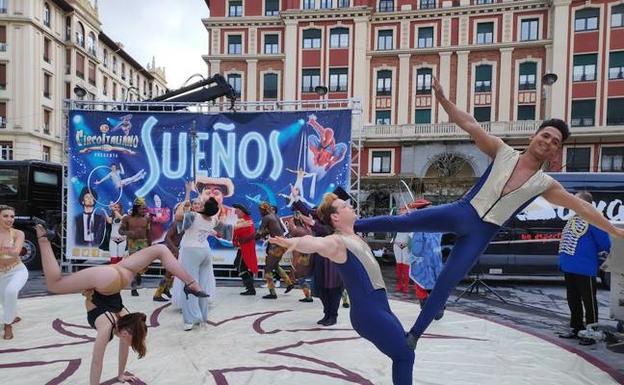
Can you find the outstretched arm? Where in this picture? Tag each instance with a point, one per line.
(329, 247)
(557, 195)
(487, 143)
(103, 327)
(123, 360)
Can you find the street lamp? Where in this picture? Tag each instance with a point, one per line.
(547, 81)
(321, 91)
(79, 92)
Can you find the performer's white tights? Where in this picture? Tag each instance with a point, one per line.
(11, 282)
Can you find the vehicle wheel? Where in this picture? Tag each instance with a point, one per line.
(30, 252)
(605, 279)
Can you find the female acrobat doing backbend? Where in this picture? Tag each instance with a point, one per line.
(370, 313)
(105, 310)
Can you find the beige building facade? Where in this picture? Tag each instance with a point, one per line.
(47, 49)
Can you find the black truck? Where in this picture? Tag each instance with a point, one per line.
(34, 188)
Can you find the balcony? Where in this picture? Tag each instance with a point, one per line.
(521, 129)
(3, 47)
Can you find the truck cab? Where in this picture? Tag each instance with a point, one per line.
(34, 189)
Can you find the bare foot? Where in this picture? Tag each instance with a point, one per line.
(8, 332)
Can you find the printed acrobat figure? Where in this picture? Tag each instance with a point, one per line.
(296, 189)
(326, 152)
(115, 175)
(124, 124)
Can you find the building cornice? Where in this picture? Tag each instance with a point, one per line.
(231, 58)
(468, 47)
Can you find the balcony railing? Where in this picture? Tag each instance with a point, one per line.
(445, 131)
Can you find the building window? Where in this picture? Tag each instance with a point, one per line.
(235, 8)
(612, 159)
(529, 29)
(46, 153)
(6, 150)
(47, 85)
(381, 162)
(425, 37)
(3, 6)
(343, 4)
(105, 58)
(615, 117)
(485, 33)
(526, 112)
(326, 3)
(3, 73)
(427, 4)
(310, 79)
(386, 5)
(586, 20)
(270, 86)
(312, 38)
(617, 16)
(483, 78)
(3, 38)
(271, 44)
(115, 64)
(339, 38)
(3, 116)
(235, 80)
(578, 159)
(382, 117)
(235, 44)
(68, 28)
(91, 47)
(483, 114)
(584, 68)
(384, 83)
(47, 16)
(479, 2)
(80, 65)
(47, 115)
(104, 85)
(80, 33)
(308, 4)
(384, 39)
(528, 73)
(271, 7)
(47, 46)
(423, 81)
(583, 112)
(616, 65)
(338, 79)
(92, 73)
(422, 116)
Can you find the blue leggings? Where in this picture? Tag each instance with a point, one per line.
(375, 321)
(460, 218)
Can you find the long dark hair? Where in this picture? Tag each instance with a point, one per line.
(134, 323)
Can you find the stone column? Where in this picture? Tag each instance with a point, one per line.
(290, 60)
(462, 80)
(445, 81)
(252, 76)
(559, 35)
(506, 80)
(404, 89)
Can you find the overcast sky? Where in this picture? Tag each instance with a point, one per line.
(171, 31)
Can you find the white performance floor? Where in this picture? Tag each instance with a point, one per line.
(261, 342)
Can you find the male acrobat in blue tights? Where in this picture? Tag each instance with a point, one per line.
(510, 183)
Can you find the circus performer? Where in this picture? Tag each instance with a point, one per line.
(246, 262)
(136, 229)
(370, 312)
(512, 181)
(271, 226)
(301, 262)
(117, 243)
(159, 217)
(115, 176)
(105, 310)
(400, 246)
(326, 152)
(196, 255)
(13, 273)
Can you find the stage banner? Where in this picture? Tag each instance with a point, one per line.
(244, 158)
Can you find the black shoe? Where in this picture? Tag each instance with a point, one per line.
(586, 341)
(167, 293)
(306, 299)
(50, 233)
(346, 305)
(248, 292)
(330, 321)
(439, 315)
(289, 288)
(569, 335)
(322, 320)
(200, 293)
(134, 292)
(270, 296)
(160, 299)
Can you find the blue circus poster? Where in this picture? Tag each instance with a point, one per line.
(244, 158)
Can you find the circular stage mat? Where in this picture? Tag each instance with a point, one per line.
(250, 340)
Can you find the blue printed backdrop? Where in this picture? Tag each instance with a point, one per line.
(252, 157)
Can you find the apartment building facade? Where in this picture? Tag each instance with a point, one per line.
(49, 48)
(489, 55)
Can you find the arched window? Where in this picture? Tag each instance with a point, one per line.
(47, 16)
(80, 32)
(91, 43)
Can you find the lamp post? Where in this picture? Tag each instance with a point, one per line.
(547, 81)
(321, 91)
